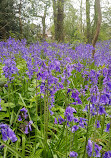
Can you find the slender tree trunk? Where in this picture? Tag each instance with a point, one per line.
(43, 23)
(55, 18)
(98, 9)
(60, 19)
(20, 20)
(95, 21)
(81, 16)
(88, 21)
(4, 37)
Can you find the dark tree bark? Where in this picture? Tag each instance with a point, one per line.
(81, 17)
(88, 21)
(99, 18)
(8, 20)
(20, 20)
(60, 19)
(43, 23)
(55, 17)
(58, 12)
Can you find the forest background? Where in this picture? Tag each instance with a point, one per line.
(61, 20)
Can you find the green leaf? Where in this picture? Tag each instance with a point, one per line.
(37, 154)
(12, 149)
(3, 115)
(23, 144)
(9, 104)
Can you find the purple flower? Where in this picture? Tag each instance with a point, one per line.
(107, 154)
(86, 108)
(109, 85)
(60, 119)
(95, 99)
(11, 135)
(76, 120)
(93, 110)
(7, 132)
(82, 122)
(0, 108)
(107, 127)
(10, 68)
(28, 127)
(97, 149)
(89, 148)
(104, 99)
(74, 128)
(73, 154)
(69, 113)
(75, 96)
(55, 121)
(26, 130)
(98, 124)
(101, 110)
(19, 118)
(24, 111)
(1, 147)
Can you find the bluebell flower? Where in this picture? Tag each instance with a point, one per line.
(86, 108)
(97, 149)
(76, 120)
(104, 99)
(89, 149)
(1, 147)
(101, 110)
(98, 124)
(24, 113)
(7, 133)
(82, 122)
(109, 85)
(107, 127)
(74, 128)
(75, 96)
(95, 99)
(19, 118)
(28, 127)
(10, 68)
(69, 113)
(55, 121)
(107, 154)
(60, 119)
(73, 154)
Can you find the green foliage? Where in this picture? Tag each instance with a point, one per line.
(8, 20)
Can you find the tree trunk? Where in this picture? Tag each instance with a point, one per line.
(43, 23)
(4, 37)
(60, 18)
(98, 9)
(81, 16)
(55, 18)
(20, 21)
(88, 21)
